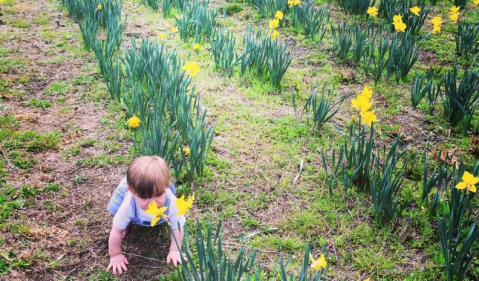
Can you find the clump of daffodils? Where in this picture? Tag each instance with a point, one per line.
(437, 24)
(372, 11)
(454, 14)
(292, 3)
(399, 25)
(274, 24)
(364, 102)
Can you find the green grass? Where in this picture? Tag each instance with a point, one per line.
(39, 103)
(42, 19)
(57, 88)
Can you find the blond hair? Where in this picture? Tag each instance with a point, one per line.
(148, 176)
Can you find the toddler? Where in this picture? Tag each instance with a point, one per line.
(147, 181)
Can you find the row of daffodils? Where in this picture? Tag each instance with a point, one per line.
(437, 22)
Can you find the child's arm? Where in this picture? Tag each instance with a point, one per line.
(117, 260)
(174, 254)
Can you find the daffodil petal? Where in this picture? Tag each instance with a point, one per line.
(461, 185)
(154, 221)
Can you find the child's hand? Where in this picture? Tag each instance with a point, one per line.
(117, 263)
(174, 256)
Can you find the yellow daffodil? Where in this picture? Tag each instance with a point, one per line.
(1, 1)
(196, 47)
(437, 23)
(157, 213)
(98, 8)
(174, 29)
(400, 26)
(191, 68)
(167, 26)
(369, 279)
(415, 10)
(476, 2)
(319, 263)
(274, 34)
(368, 117)
(454, 14)
(468, 182)
(184, 205)
(372, 11)
(161, 36)
(362, 103)
(297, 2)
(454, 17)
(274, 23)
(279, 15)
(134, 122)
(186, 150)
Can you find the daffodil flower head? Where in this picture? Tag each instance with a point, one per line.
(437, 23)
(279, 15)
(191, 68)
(319, 263)
(134, 122)
(184, 205)
(368, 117)
(372, 11)
(469, 182)
(98, 8)
(415, 10)
(476, 2)
(157, 213)
(400, 26)
(454, 17)
(274, 23)
(174, 29)
(196, 47)
(161, 36)
(186, 150)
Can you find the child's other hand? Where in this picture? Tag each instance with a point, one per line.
(117, 263)
(174, 256)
